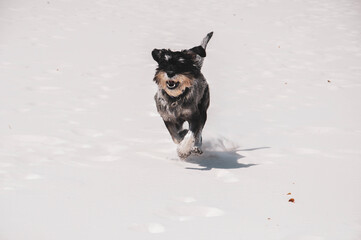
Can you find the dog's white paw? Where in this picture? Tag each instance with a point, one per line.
(197, 150)
(186, 146)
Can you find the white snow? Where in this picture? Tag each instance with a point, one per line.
(84, 154)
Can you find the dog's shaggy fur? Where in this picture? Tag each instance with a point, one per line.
(183, 94)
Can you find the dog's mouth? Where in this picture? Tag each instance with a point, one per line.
(172, 84)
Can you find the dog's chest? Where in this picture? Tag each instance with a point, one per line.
(171, 111)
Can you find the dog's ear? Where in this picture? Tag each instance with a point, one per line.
(199, 50)
(156, 54)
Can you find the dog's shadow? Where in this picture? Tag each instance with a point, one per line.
(219, 156)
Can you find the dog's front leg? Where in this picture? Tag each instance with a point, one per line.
(176, 130)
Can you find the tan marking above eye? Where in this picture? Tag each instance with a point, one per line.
(167, 57)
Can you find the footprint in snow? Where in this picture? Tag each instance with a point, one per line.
(106, 158)
(187, 199)
(87, 133)
(186, 213)
(226, 176)
(37, 139)
(148, 227)
(33, 176)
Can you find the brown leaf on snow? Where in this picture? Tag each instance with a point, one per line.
(289, 193)
(292, 200)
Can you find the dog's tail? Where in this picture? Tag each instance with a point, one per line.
(206, 40)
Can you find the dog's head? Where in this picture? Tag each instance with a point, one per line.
(177, 69)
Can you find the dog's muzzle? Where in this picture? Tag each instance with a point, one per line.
(172, 84)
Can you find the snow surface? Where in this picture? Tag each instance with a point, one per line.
(84, 154)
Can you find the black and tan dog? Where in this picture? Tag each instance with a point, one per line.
(183, 95)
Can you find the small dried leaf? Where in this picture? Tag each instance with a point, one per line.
(292, 200)
(289, 193)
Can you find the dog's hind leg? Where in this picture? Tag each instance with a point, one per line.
(197, 123)
(196, 126)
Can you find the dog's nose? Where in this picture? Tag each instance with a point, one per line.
(171, 74)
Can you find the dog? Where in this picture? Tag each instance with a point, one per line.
(183, 95)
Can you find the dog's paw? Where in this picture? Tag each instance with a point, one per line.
(185, 147)
(197, 150)
(183, 155)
